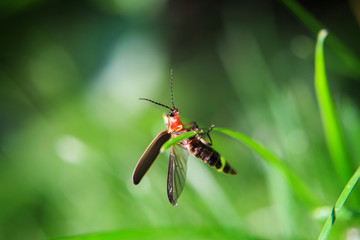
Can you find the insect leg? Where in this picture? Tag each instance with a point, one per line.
(208, 135)
(193, 125)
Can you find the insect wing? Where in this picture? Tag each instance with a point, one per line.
(149, 156)
(176, 173)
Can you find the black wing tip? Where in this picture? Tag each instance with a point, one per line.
(233, 172)
(230, 172)
(136, 180)
(228, 169)
(171, 197)
(172, 201)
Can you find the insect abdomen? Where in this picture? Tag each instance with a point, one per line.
(208, 155)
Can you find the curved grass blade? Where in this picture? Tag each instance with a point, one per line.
(177, 139)
(333, 133)
(297, 185)
(338, 205)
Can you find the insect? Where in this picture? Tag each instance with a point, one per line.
(196, 145)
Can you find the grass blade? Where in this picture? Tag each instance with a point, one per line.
(164, 233)
(177, 139)
(297, 185)
(338, 205)
(333, 133)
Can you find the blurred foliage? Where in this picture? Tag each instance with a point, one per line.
(72, 127)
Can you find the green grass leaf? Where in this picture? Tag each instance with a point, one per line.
(165, 233)
(338, 205)
(177, 139)
(297, 185)
(333, 132)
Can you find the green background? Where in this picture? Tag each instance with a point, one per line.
(72, 127)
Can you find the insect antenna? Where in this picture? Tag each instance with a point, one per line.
(155, 103)
(171, 92)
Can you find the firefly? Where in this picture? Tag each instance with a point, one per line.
(195, 145)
